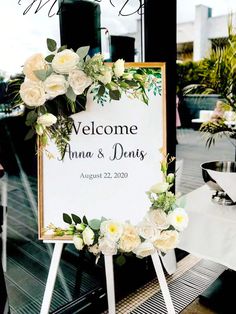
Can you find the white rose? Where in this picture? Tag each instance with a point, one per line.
(78, 80)
(88, 236)
(111, 229)
(129, 239)
(47, 119)
(94, 249)
(145, 249)
(107, 246)
(119, 67)
(34, 63)
(148, 231)
(65, 61)
(32, 93)
(168, 240)
(159, 218)
(106, 77)
(55, 85)
(78, 242)
(160, 187)
(178, 218)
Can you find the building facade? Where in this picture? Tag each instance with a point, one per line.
(194, 39)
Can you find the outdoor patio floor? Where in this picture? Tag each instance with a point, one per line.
(28, 258)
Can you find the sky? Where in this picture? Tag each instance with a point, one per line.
(185, 8)
(22, 35)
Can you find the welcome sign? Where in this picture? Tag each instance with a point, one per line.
(112, 159)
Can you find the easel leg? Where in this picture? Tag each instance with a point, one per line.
(163, 284)
(110, 284)
(56, 256)
(4, 226)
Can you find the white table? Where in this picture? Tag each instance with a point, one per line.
(211, 233)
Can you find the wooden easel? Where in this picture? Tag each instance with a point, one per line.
(56, 256)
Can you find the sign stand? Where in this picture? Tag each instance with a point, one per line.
(56, 256)
(109, 280)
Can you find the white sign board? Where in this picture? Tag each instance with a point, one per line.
(112, 159)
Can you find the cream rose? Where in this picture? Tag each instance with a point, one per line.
(144, 249)
(34, 63)
(55, 85)
(106, 77)
(65, 61)
(78, 242)
(129, 239)
(88, 236)
(160, 187)
(119, 67)
(178, 218)
(148, 231)
(111, 229)
(78, 80)
(32, 93)
(47, 119)
(167, 241)
(159, 218)
(107, 246)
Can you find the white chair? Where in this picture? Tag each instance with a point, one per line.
(3, 207)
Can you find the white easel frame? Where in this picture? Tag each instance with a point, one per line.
(109, 280)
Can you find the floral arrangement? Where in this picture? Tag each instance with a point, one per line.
(56, 86)
(221, 123)
(159, 229)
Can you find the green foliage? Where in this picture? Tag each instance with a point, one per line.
(76, 219)
(67, 219)
(51, 44)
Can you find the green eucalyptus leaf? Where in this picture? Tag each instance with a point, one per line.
(85, 221)
(131, 83)
(49, 71)
(76, 219)
(49, 58)
(41, 74)
(120, 260)
(31, 118)
(70, 94)
(115, 94)
(51, 44)
(62, 48)
(82, 51)
(67, 219)
(95, 224)
(101, 90)
(29, 134)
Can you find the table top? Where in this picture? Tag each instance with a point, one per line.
(198, 120)
(211, 233)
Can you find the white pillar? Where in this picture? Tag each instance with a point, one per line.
(201, 44)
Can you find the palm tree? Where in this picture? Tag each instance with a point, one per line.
(218, 75)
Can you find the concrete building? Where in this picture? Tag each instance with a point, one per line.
(194, 39)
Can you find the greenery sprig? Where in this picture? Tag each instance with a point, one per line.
(56, 86)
